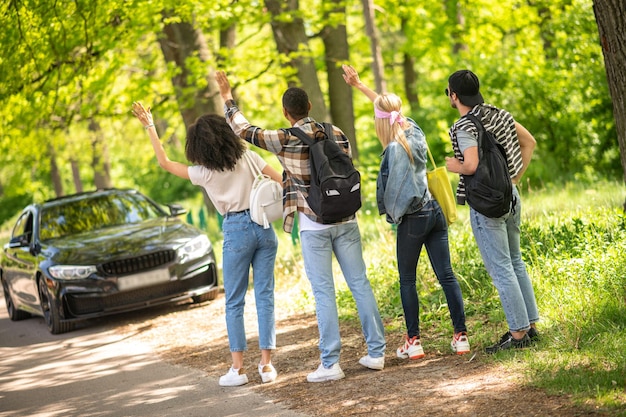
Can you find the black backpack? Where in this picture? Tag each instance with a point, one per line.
(489, 191)
(335, 191)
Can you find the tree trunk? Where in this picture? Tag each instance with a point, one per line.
(54, 172)
(100, 159)
(181, 41)
(612, 30)
(377, 62)
(545, 31)
(408, 65)
(339, 93)
(410, 82)
(227, 38)
(457, 20)
(291, 40)
(228, 41)
(78, 184)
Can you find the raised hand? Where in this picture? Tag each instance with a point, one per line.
(144, 115)
(350, 75)
(224, 85)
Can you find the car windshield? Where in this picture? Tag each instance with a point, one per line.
(79, 216)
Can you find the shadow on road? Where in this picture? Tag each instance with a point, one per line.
(94, 371)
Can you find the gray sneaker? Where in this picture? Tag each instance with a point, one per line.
(326, 374)
(533, 334)
(507, 341)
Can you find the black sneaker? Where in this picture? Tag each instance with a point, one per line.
(507, 341)
(533, 335)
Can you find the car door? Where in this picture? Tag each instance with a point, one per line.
(20, 264)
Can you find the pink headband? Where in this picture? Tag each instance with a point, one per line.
(393, 116)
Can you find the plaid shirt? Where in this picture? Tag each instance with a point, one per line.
(293, 155)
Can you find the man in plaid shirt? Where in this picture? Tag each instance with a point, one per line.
(319, 241)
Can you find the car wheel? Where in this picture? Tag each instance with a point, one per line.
(50, 311)
(206, 296)
(15, 314)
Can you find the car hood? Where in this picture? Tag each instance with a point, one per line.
(119, 242)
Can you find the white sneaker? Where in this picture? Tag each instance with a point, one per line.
(233, 378)
(268, 372)
(460, 343)
(411, 349)
(326, 374)
(373, 363)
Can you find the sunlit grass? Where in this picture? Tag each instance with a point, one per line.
(574, 243)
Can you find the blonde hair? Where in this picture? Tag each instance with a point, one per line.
(390, 132)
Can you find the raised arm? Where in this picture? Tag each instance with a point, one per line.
(145, 117)
(351, 77)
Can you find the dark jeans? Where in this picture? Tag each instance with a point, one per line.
(427, 227)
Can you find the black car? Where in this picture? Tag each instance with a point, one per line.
(103, 252)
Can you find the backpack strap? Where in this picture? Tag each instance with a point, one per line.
(327, 128)
(476, 121)
(296, 131)
(253, 166)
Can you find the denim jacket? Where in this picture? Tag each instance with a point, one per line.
(401, 186)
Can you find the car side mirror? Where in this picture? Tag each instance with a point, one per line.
(176, 210)
(19, 241)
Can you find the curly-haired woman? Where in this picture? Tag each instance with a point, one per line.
(217, 155)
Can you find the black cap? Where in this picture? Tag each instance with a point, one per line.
(466, 86)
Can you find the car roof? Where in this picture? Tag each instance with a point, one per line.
(84, 195)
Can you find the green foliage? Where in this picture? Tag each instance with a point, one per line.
(530, 58)
(69, 63)
(11, 206)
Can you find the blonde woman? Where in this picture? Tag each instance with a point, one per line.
(402, 195)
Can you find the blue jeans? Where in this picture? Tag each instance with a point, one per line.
(427, 227)
(317, 249)
(247, 243)
(499, 243)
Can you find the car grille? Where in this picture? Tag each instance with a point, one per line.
(95, 304)
(138, 264)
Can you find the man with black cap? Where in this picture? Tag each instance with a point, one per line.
(497, 238)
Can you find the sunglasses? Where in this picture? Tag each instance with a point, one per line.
(448, 92)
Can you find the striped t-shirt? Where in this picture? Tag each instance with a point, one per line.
(502, 125)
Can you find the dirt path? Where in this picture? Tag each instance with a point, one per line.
(442, 384)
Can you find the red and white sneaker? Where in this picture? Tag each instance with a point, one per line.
(411, 349)
(460, 343)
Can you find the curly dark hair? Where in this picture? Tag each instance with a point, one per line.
(296, 102)
(213, 144)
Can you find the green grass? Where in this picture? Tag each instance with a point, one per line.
(574, 244)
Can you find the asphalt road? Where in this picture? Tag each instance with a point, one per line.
(93, 371)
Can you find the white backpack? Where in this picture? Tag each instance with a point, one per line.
(266, 197)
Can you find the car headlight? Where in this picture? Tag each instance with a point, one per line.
(195, 248)
(71, 271)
